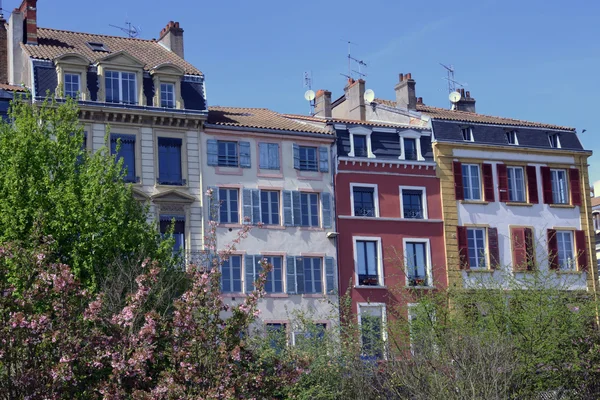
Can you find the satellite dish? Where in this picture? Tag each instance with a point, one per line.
(309, 95)
(369, 96)
(454, 97)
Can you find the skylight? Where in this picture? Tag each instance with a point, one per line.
(97, 46)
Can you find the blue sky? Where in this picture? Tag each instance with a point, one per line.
(530, 59)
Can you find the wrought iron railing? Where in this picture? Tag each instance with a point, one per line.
(368, 280)
(413, 213)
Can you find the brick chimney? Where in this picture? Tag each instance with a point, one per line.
(29, 10)
(323, 104)
(466, 102)
(172, 38)
(406, 96)
(355, 96)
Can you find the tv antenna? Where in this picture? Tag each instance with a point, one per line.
(1, 10)
(452, 83)
(309, 95)
(131, 30)
(360, 64)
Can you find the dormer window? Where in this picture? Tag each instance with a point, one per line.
(410, 149)
(554, 141)
(467, 134)
(121, 87)
(511, 137)
(360, 142)
(360, 146)
(167, 95)
(95, 46)
(72, 85)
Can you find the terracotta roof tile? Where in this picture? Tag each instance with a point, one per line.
(350, 121)
(12, 88)
(455, 115)
(258, 118)
(53, 43)
(595, 201)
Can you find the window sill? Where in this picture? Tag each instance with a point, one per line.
(420, 287)
(569, 272)
(276, 227)
(222, 170)
(165, 185)
(312, 295)
(275, 174)
(228, 225)
(482, 202)
(276, 295)
(561, 205)
(311, 228)
(480, 270)
(233, 295)
(519, 204)
(370, 287)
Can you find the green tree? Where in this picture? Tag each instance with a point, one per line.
(50, 186)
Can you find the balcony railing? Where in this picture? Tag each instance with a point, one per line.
(413, 213)
(173, 182)
(364, 212)
(417, 281)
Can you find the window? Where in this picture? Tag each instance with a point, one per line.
(311, 335)
(167, 95)
(372, 335)
(410, 149)
(364, 201)
(476, 245)
(553, 140)
(269, 156)
(367, 262)
(126, 151)
(274, 282)
(313, 281)
(309, 209)
(269, 207)
(121, 87)
(277, 336)
(308, 158)
(72, 85)
(516, 184)
(228, 154)
(231, 275)
(229, 209)
(416, 263)
(511, 137)
(559, 186)
(95, 46)
(471, 182)
(169, 161)
(566, 257)
(178, 223)
(412, 203)
(467, 134)
(360, 145)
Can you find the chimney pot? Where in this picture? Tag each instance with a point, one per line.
(355, 97)
(466, 102)
(419, 100)
(409, 76)
(401, 76)
(405, 93)
(29, 10)
(468, 94)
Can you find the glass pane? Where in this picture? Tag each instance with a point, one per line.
(360, 145)
(410, 149)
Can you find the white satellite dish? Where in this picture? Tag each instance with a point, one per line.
(309, 95)
(454, 97)
(369, 95)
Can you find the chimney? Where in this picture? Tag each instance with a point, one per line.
(172, 38)
(29, 10)
(355, 96)
(405, 92)
(323, 104)
(3, 50)
(466, 102)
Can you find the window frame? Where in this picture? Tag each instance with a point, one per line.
(136, 154)
(428, 264)
(120, 80)
(410, 135)
(373, 186)
(380, 272)
(469, 131)
(178, 216)
(313, 281)
(284, 331)
(162, 93)
(485, 256)
(271, 274)
(310, 214)
(183, 156)
(512, 182)
(260, 158)
(572, 261)
(554, 140)
(241, 264)
(362, 131)
(424, 207)
(269, 202)
(235, 144)
(304, 165)
(78, 93)
(469, 181)
(512, 138)
(223, 202)
(383, 312)
(567, 194)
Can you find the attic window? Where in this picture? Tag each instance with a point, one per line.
(511, 136)
(553, 140)
(467, 134)
(95, 46)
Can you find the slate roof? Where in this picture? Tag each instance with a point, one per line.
(455, 115)
(53, 43)
(259, 118)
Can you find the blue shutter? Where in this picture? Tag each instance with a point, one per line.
(300, 274)
(291, 274)
(296, 156)
(288, 219)
(263, 155)
(247, 206)
(249, 268)
(255, 206)
(323, 159)
(245, 154)
(273, 156)
(213, 204)
(330, 284)
(163, 164)
(212, 152)
(296, 208)
(326, 209)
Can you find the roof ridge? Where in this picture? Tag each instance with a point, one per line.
(243, 108)
(100, 34)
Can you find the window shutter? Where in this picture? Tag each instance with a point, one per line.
(330, 275)
(288, 219)
(326, 209)
(255, 206)
(291, 274)
(212, 150)
(552, 249)
(502, 183)
(488, 182)
(459, 191)
(296, 150)
(213, 204)
(519, 249)
(493, 249)
(245, 154)
(529, 249)
(247, 206)
(273, 156)
(323, 159)
(575, 186)
(249, 269)
(296, 207)
(532, 187)
(546, 184)
(299, 275)
(581, 249)
(463, 247)
(263, 155)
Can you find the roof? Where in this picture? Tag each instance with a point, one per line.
(455, 115)
(351, 121)
(259, 118)
(595, 201)
(12, 88)
(53, 43)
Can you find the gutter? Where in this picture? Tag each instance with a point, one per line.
(497, 146)
(269, 130)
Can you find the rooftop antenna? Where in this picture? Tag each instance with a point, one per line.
(452, 83)
(131, 30)
(352, 59)
(309, 95)
(1, 10)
